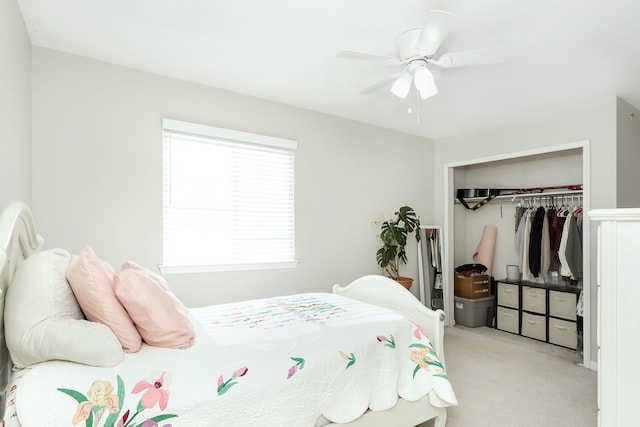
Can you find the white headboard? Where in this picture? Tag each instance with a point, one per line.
(18, 241)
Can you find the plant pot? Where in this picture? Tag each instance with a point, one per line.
(405, 281)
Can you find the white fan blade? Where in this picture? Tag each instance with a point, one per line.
(354, 54)
(489, 55)
(437, 27)
(379, 85)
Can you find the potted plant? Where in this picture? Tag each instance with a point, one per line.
(393, 236)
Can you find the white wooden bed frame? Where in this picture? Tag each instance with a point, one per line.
(19, 240)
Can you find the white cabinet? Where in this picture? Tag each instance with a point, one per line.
(618, 315)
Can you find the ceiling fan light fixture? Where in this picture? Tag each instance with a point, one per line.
(402, 85)
(424, 82)
(429, 92)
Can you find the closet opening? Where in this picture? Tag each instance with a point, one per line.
(565, 165)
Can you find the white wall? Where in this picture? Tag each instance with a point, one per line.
(15, 106)
(595, 122)
(97, 174)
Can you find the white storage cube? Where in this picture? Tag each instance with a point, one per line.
(534, 326)
(508, 295)
(562, 332)
(534, 299)
(562, 304)
(508, 320)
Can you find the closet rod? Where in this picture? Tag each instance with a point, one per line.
(547, 194)
(527, 195)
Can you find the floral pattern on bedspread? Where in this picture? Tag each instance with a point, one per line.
(224, 386)
(424, 355)
(388, 342)
(295, 368)
(278, 312)
(279, 361)
(101, 399)
(350, 358)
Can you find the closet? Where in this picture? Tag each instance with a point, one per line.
(554, 166)
(544, 299)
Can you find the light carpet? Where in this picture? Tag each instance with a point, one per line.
(504, 380)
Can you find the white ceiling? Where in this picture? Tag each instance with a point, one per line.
(564, 53)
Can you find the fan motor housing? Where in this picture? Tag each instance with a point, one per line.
(406, 43)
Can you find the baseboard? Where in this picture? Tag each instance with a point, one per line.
(593, 366)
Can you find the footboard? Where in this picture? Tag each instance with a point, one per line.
(385, 292)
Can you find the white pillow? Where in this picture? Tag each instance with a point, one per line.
(43, 320)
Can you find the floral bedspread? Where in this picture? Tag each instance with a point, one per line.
(272, 362)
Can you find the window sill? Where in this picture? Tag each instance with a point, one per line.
(188, 269)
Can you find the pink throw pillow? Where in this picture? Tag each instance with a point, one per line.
(91, 280)
(161, 318)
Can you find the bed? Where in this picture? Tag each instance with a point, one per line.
(367, 354)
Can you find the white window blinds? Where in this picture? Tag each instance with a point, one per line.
(228, 198)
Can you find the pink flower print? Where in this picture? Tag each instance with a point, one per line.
(240, 373)
(418, 332)
(123, 419)
(101, 398)
(224, 386)
(350, 357)
(389, 342)
(152, 423)
(295, 368)
(292, 371)
(154, 392)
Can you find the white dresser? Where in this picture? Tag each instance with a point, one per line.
(618, 335)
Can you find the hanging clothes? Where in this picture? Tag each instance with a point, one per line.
(556, 225)
(535, 241)
(432, 264)
(545, 247)
(562, 250)
(520, 211)
(518, 239)
(573, 250)
(548, 239)
(524, 255)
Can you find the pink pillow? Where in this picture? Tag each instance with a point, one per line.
(91, 280)
(161, 318)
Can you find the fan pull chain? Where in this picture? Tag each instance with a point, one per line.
(418, 105)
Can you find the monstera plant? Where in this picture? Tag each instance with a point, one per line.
(393, 237)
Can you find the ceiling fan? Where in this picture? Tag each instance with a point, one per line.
(416, 51)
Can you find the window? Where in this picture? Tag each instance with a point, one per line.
(228, 199)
